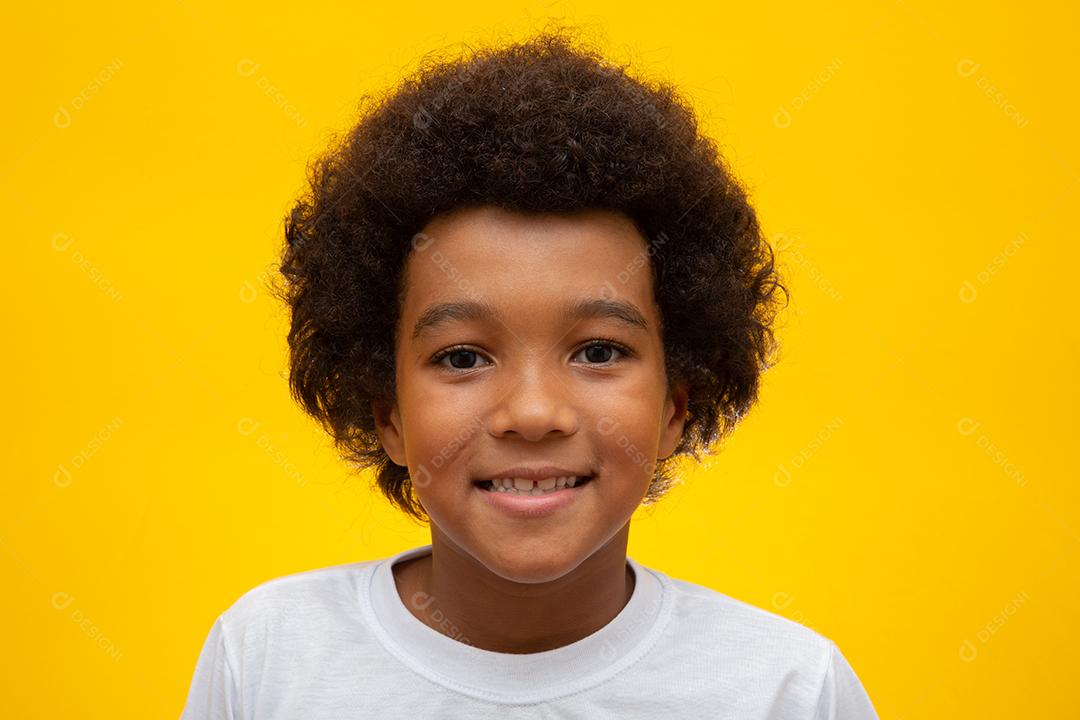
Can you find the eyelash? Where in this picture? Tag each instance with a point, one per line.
(437, 358)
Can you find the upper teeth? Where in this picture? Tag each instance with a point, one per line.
(536, 487)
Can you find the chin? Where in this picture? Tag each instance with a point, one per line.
(523, 565)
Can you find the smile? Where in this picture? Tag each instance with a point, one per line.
(525, 486)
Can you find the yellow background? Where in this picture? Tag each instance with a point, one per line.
(906, 486)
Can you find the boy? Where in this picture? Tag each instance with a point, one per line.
(521, 288)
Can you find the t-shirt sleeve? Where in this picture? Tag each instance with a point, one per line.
(842, 695)
(213, 694)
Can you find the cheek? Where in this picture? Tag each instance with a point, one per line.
(619, 421)
(626, 433)
(436, 434)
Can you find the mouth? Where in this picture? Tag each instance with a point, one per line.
(525, 486)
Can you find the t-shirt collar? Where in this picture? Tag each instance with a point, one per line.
(510, 677)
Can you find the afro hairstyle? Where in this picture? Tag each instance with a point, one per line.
(545, 125)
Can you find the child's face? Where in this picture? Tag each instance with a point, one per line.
(529, 388)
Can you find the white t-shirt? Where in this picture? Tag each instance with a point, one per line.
(338, 643)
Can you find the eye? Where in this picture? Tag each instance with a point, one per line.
(459, 355)
(602, 358)
(462, 358)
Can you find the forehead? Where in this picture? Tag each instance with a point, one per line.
(533, 266)
(495, 224)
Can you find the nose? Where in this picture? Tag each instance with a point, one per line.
(534, 402)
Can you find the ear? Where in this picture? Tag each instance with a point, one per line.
(674, 419)
(389, 429)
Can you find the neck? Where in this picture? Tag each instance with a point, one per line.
(465, 600)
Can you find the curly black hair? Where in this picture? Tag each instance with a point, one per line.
(546, 125)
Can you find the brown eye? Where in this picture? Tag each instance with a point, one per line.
(461, 358)
(597, 352)
(601, 356)
(600, 352)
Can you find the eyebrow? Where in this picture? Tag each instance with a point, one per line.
(465, 310)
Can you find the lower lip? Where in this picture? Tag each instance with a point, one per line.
(533, 506)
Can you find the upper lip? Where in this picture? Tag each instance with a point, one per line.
(533, 472)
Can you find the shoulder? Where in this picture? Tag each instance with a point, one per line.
(713, 635)
(278, 629)
(770, 656)
(723, 618)
(324, 596)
